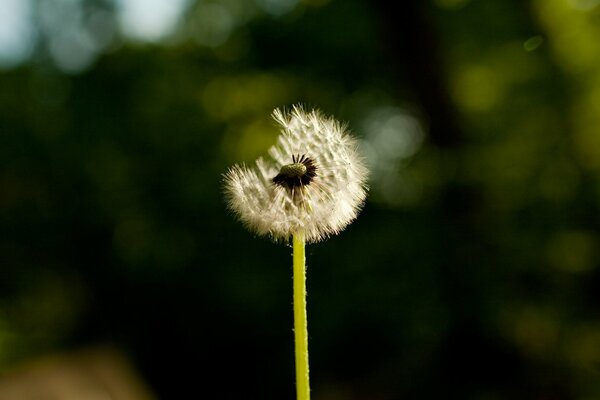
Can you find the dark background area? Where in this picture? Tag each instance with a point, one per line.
(472, 272)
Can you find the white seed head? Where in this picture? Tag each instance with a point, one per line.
(313, 181)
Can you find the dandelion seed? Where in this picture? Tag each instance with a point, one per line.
(313, 182)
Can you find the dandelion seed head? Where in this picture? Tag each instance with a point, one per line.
(314, 180)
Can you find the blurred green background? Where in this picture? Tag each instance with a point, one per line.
(472, 272)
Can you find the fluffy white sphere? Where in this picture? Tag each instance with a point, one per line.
(313, 182)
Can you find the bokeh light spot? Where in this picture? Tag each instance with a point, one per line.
(150, 20)
(392, 136)
(582, 346)
(17, 34)
(212, 24)
(572, 251)
(476, 88)
(584, 5)
(535, 330)
(250, 141)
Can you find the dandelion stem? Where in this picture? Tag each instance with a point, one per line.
(300, 321)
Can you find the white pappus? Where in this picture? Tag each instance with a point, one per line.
(314, 180)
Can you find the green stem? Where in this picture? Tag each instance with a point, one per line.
(300, 325)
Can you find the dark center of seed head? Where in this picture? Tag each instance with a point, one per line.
(300, 172)
(293, 170)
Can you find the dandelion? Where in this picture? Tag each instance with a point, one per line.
(311, 187)
(314, 182)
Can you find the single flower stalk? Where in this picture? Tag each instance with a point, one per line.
(311, 187)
